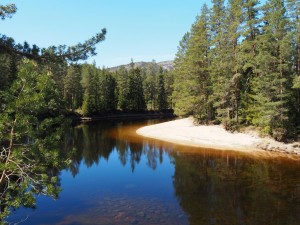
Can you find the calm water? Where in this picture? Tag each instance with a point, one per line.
(117, 177)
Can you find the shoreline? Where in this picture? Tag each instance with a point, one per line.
(121, 116)
(184, 132)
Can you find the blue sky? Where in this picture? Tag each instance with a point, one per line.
(140, 29)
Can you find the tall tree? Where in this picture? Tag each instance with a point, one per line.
(122, 87)
(73, 88)
(135, 96)
(150, 85)
(108, 97)
(249, 50)
(182, 103)
(220, 71)
(234, 20)
(91, 96)
(271, 85)
(161, 92)
(293, 7)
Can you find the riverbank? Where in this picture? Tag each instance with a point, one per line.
(184, 132)
(121, 116)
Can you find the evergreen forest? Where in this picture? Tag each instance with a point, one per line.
(239, 65)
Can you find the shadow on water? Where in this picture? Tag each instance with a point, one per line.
(118, 177)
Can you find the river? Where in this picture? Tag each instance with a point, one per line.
(117, 177)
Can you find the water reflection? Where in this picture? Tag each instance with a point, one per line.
(212, 187)
(91, 142)
(118, 177)
(237, 190)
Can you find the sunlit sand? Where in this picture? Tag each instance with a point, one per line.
(183, 131)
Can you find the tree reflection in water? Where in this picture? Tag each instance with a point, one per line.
(210, 187)
(91, 142)
(231, 189)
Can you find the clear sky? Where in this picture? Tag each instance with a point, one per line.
(139, 29)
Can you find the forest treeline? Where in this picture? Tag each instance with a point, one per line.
(239, 65)
(89, 90)
(93, 91)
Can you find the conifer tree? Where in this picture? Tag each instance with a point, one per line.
(183, 104)
(135, 96)
(293, 7)
(197, 64)
(220, 71)
(150, 85)
(122, 87)
(73, 88)
(271, 84)
(90, 97)
(234, 19)
(108, 98)
(161, 92)
(248, 48)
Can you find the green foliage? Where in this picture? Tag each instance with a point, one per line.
(6, 11)
(73, 88)
(135, 96)
(30, 135)
(89, 82)
(100, 91)
(296, 82)
(150, 74)
(162, 95)
(121, 77)
(56, 54)
(108, 97)
(239, 65)
(192, 84)
(181, 94)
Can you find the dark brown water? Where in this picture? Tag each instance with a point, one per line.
(117, 177)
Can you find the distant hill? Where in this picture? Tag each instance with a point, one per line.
(167, 65)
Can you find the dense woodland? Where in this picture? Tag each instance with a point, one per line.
(89, 90)
(240, 65)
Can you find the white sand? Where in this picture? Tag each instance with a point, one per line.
(183, 131)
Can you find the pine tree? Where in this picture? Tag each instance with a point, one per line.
(72, 88)
(149, 84)
(161, 92)
(234, 20)
(197, 63)
(135, 96)
(108, 98)
(122, 79)
(181, 96)
(293, 7)
(90, 97)
(169, 85)
(248, 48)
(271, 85)
(30, 135)
(220, 71)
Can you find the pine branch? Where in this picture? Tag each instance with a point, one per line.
(81, 51)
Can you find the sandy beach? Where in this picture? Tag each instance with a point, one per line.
(183, 131)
